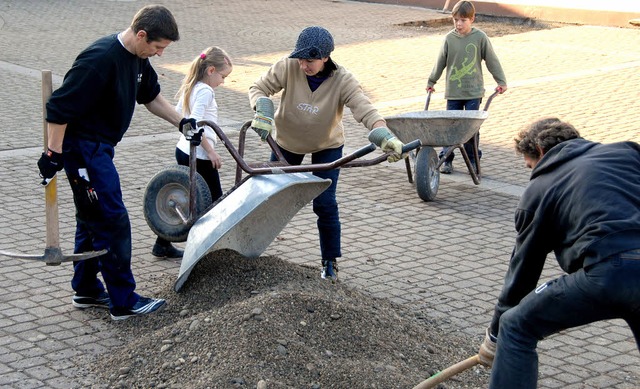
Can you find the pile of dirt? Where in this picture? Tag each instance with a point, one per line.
(266, 323)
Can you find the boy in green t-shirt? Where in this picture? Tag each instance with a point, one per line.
(462, 53)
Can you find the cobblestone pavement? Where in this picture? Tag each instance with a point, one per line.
(448, 255)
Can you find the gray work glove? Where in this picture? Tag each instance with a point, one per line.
(487, 349)
(262, 122)
(381, 136)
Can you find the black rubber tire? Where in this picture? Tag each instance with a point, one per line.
(171, 185)
(426, 176)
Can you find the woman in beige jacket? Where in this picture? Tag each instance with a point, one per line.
(308, 120)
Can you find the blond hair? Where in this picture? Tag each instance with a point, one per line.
(211, 56)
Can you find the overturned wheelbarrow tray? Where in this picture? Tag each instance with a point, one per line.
(437, 129)
(249, 216)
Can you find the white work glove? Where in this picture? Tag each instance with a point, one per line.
(381, 136)
(262, 122)
(487, 349)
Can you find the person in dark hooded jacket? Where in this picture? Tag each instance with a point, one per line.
(582, 204)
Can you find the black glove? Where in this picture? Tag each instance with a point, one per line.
(196, 137)
(187, 125)
(49, 164)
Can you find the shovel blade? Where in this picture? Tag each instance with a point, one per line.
(53, 256)
(250, 217)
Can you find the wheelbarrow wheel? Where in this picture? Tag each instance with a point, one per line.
(166, 202)
(427, 176)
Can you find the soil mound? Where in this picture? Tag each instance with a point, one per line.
(265, 323)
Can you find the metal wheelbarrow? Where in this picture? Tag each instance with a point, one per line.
(249, 216)
(437, 129)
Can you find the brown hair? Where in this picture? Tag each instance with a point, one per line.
(157, 21)
(464, 9)
(544, 133)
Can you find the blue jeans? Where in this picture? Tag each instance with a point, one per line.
(603, 291)
(325, 205)
(459, 105)
(102, 222)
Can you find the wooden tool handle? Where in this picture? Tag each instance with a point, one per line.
(449, 372)
(51, 194)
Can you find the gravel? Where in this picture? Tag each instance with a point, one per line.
(265, 323)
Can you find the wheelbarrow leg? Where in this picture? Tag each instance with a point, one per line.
(476, 153)
(475, 176)
(447, 153)
(407, 162)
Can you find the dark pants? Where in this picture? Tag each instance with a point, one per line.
(603, 291)
(205, 168)
(102, 222)
(325, 205)
(459, 105)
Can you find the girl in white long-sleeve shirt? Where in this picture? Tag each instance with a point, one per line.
(197, 100)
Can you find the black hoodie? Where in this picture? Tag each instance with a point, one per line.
(582, 203)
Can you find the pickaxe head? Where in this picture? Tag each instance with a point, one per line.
(53, 256)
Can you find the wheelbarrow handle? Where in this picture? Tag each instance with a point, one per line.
(426, 106)
(361, 152)
(494, 94)
(411, 146)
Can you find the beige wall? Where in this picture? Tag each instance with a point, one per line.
(617, 13)
(594, 5)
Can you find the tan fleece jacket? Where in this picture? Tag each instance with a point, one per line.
(305, 121)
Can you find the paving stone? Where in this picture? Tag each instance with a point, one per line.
(447, 256)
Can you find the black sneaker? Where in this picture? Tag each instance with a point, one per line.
(166, 250)
(142, 307)
(329, 270)
(100, 301)
(446, 168)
